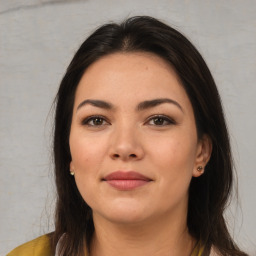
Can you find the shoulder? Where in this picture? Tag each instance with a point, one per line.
(199, 251)
(215, 252)
(40, 246)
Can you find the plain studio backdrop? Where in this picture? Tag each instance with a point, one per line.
(37, 41)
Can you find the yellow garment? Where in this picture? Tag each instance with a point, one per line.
(37, 247)
(41, 247)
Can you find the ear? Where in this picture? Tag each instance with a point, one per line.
(71, 166)
(203, 154)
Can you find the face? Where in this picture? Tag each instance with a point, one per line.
(133, 139)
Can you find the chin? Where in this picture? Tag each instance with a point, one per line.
(126, 219)
(128, 214)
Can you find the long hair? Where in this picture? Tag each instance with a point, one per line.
(208, 194)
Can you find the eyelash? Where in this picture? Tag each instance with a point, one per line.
(164, 118)
(167, 119)
(92, 118)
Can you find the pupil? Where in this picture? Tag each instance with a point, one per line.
(97, 121)
(159, 121)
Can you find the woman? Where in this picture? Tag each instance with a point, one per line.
(143, 163)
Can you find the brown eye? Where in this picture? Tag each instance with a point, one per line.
(160, 121)
(97, 121)
(94, 121)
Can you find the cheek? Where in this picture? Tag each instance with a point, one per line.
(178, 150)
(86, 153)
(175, 172)
(87, 157)
(175, 158)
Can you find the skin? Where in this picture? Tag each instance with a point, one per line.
(151, 219)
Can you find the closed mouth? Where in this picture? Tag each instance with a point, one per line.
(123, 180)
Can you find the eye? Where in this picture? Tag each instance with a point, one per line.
(95, 121)
(160, 120)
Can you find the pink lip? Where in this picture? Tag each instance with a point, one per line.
(126, 180)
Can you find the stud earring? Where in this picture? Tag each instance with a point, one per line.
(200, 168)
(72, 173)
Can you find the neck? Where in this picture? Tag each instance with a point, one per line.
(158, 237)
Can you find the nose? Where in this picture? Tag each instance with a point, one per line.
(126, 145)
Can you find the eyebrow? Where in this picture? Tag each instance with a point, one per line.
(155, 102)
(96, 103)
(141, 106)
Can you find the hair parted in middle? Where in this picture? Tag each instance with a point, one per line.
(209, 193)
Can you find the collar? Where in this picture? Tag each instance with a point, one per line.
(57, 251)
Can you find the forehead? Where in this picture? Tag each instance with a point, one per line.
(129, 63)
(131, 77)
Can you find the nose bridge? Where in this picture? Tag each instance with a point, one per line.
(125, 141)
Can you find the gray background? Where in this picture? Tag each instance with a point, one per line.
(37, 41)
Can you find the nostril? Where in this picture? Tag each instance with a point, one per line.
(115, 155)
(132, 155)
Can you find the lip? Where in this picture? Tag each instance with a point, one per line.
(126, 180)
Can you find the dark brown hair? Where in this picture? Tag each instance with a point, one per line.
(208, 194)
